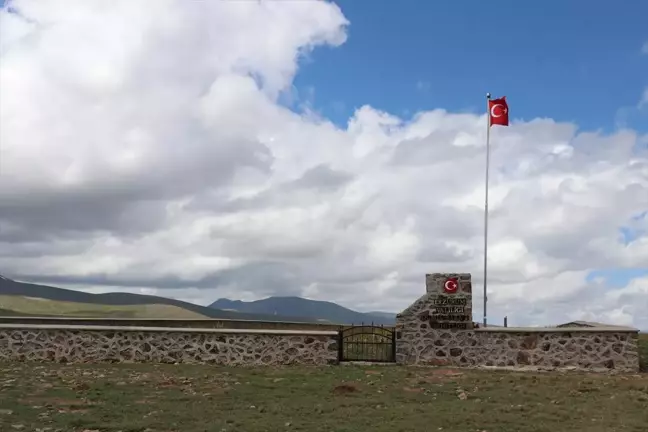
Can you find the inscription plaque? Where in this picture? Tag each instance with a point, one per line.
(451, 302)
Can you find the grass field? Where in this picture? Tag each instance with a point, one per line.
(164, 398)
(38, 306)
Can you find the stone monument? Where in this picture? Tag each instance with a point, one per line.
(433, 330)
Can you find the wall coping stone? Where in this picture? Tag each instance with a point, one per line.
(167, 329)
(77, 318)
(609, 329)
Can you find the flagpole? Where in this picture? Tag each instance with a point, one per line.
(488, 126)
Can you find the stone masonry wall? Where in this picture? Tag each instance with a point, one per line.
(521, 348)
(95, 345)
(588, 350)
(418, 343)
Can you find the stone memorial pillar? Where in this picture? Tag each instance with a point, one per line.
(437, 328)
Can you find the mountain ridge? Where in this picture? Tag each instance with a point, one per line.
(11, 287)
(273, 309)
(313, 309)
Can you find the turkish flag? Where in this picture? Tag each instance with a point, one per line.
(498, 111)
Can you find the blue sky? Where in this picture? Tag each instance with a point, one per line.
(617, 278)
(574, 61)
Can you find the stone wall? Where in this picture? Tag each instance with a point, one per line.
(87, 344)
(583, 349)
(419, 341)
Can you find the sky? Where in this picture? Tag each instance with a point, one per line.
(333, 151)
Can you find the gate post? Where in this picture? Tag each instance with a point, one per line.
(340, 346)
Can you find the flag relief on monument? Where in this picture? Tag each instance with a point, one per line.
(450, 286)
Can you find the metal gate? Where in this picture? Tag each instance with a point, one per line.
(367, 343)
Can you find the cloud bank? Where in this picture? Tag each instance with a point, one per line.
(146, 150)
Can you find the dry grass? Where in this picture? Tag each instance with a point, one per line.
(165, 398)
(38, 306)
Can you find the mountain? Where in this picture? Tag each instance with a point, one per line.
(20, 298)
(312, 309)
(386, 315)
(14, 305)
(22, 290)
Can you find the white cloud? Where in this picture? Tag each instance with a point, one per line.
(145, 149)
(644, 98)
(644, 48)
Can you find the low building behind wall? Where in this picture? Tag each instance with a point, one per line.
(435, 330)
(96, 344)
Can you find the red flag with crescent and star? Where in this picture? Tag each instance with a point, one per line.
(498, 111)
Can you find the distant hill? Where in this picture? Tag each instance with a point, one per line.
(10, 287)
(8, 313)
(321, 311)
(12, 305)
(386, 315)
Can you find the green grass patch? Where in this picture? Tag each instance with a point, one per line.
(166, 398)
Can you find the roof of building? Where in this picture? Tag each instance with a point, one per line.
(588, 324)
